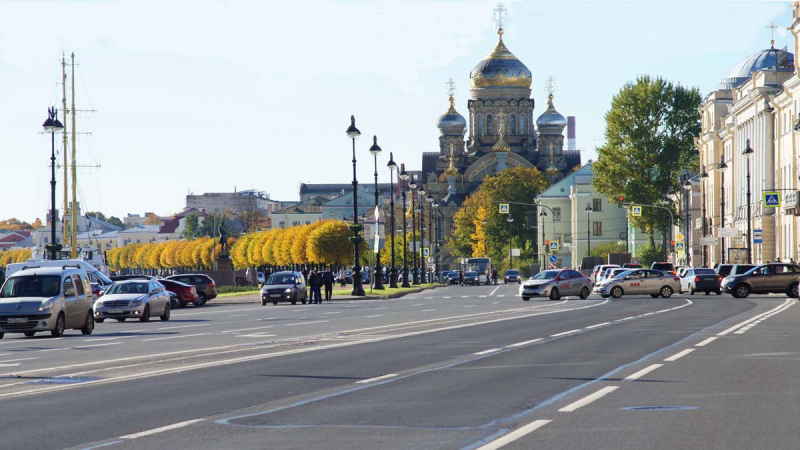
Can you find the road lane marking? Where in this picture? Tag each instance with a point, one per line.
(497, 303)
(448, 297)
(428, 298)
(598, 325)
(270, 318)
(463, 296)
(238, 315)
(706, 342)
(514, 435)
(97, 345)
(495, 290)
(329, 313)
(642, 372)
(382, 377)
(469, 306)
(304, 323)
(255, 335)
(248, 329)
(174, 337)
(184, 326)
(10, 365)
(589, 399)
(679, 355)
(486, 352)
(15, 360)
(501, 295)
(564, 333)
(377, 309)
(108, 338)
(481, 296)
(785, 304)
(376, 315)
(625, 318)
(161, 429)
(211, 311)
(427, 310)
(520, 344)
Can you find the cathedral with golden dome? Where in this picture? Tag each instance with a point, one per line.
(499, 132)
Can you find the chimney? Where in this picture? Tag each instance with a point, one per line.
(571, 133)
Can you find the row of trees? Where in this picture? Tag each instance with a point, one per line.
(14, 256)
(195, 254)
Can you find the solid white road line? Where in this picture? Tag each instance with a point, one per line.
(513, 436)
(418, 304)
(161, 430)
(589, 399)
(486, 352)
(482, 296)
(520, 344)
(10, 365)
(679, 355)
(598, 325)
(15, 360)
(108, 338)
(305, 323)
(463, 296)
(174, 337)
(97, 345)
(752, 319)
(376, 315)
(329, 313)
(255, 335)
(238, 315)
(248, 329)
(427, 310)
(706, 342)
(642, 372)
(564, 333)
(625, 318)
(469, 306)
(184, 326)
(447, 297)
(382, 377)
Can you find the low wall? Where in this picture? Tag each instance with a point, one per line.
(225, 277)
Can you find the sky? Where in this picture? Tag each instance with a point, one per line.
(179, 97)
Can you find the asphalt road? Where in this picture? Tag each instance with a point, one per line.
(451, 368)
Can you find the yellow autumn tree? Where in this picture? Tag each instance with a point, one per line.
(329, 243)
(478, 238)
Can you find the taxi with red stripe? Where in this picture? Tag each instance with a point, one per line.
(556, 283)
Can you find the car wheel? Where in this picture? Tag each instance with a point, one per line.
(584, 293)
(88, 325)
(275, 302)
(30, 333)
(654, 295)
(1, 335)
(263, 303)
(616, 292)
(174, 301)
(719, 292)
(99, 320)
(741, 291)
(666, 291)
(526, 298)
(792, 291)
(691, 291)
(554, 295)
(58, 331)
(121, 319)
(145, 314)
(202, 298)
(165, 317)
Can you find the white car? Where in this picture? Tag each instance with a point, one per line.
(133, 299)
(639, 281)
(554, 284)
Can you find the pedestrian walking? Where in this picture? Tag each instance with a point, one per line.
(248, 275)
(327, 280)
(342, 279)
(315, 280)
(461, 277)
(305, 274)
(494, 276)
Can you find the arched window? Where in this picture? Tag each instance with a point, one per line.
(513, 125)
(480, 124)
(489, 128)
(522, 124)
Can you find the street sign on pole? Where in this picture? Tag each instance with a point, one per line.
(636, 210)
(758, 236)
(504, 208)
(679, 246)
(679, 237)
(772, 199)
(426, 252)
(553, 261)
(514, 252)
(708, 240)
(727, 232)
(553, 246)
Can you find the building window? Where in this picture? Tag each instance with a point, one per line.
(46, 240)
(597, 204)
(522, 124)
(513, 124)
(557, 214)
(281, 224)
(489, 124)
(308, 222)
(480, 124)
(597, 228)
(295, 223)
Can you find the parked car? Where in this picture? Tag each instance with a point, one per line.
(640, 281)
(512, 276)
(739, 269)
(724, 270)
(116, 278)
(772, 278)
(631, 266)
(701, 280)
(260, 277)
(604, 271)
(98, 279)
(614, 272)
(284, 287)
(133, 299)
(470, 278)
(184, 293)
(599, 271)
(556, 283)
(664, 267)
(348, 276)
(50, 299)
(206, 288)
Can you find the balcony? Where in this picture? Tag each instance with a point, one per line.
(791, 203)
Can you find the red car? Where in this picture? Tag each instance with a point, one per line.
(186, 293)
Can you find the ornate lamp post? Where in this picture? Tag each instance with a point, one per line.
(588, 210)
(378, 283)
(358, 289)
(412, 189)
(392, 167)
(543, 214)
(436, 232)
(748, 152)
(421, 206)
(431, 235)
(404, 176)
(51, 125)
(722, 167)
(510, 219)
(703, 178)
(687, 186)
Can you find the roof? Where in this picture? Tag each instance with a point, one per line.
(169, 225)
(429, 160)
(43, 270)
(770, 58)
(325, 188)
(572, 158)
(141, 229)
(561, 189)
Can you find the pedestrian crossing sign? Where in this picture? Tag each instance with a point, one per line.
(636, 210)
(426, 252)
(679, 246)
(554, 246)
(504, 208)
(772, 199)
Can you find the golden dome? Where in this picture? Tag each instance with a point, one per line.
(451, 170)
(500, 68)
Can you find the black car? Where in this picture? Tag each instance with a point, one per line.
(512, 276)
(451, 277)
(471, 277)
(703, 280)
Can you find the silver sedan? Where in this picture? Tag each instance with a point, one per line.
(556, 283)
(133, 299)
(640, 281)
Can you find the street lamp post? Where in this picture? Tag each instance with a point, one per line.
(722, 167)
(687, 186)
(378, 283)
(422, 264)
(404, 176)
(393, 271)
(437, 229)
(588, 210)
(510, 219)
(358, 289)
(51, 125)
(748, 152)
(412, 189)
(431, 235)
(543, 214)
(703, 178)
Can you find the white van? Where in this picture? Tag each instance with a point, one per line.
(99, 280)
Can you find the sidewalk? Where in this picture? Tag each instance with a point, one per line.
(256, 298)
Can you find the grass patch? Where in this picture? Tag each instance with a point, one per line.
(231, 291)
(387, 291)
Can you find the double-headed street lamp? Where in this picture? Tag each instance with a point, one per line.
(412, 189)
(432, 236)
(510, 219)
(378, 283)
(748, 152)
(392, 167)
(404, 176)
(588, 210)
(422, 265)
(358, 288)
(51, 125)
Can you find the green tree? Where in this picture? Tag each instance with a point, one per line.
(210, 222)
(98, 215)
(603, 249)
(650, 131)
(116, 221)
(191, 226)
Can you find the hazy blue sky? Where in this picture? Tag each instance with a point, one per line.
(205, 96)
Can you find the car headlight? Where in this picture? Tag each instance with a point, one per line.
(47, 304)
(288, 291)
(98, 304)
(135, 303)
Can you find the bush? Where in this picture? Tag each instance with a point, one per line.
(649, 254)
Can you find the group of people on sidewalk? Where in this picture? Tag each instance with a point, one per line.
(315, 282)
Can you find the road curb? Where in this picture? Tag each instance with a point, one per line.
(254, 298)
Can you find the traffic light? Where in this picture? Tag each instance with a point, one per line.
(621, 200)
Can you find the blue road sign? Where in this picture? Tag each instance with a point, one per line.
(772, 199)
(758, 236)
(553, 258)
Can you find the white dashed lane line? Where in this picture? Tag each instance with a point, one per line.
(180, 336)
(642, 372)
(161, 429)
(564, 333)
(486, 352)
(706, 342)
(427, 310)
(679, 355)
(516, 434)
(97, 345)
(304, 323)
(184, 326)
(589, 399)
(376, 315)
(598, 325)
(247, 329)
(520, 344)
(372, 380)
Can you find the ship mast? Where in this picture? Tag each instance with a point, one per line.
(64, 150)
(73, 233)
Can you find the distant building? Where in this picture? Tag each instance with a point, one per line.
(15, 239)
(219, 202)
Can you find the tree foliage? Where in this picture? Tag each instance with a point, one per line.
(14, 256)
(650, 131)
(191, 226)
(14, 224)
(329, 243)
(116, 221)
(604, 248)
(152, 219)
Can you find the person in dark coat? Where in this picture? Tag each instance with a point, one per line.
(327, 280)
(460, 277)
(315, 281)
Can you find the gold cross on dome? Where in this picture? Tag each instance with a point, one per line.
(500, 17)
(550, 85)
(772, 28)
(451, 88)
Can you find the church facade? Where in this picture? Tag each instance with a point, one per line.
(499, 132)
